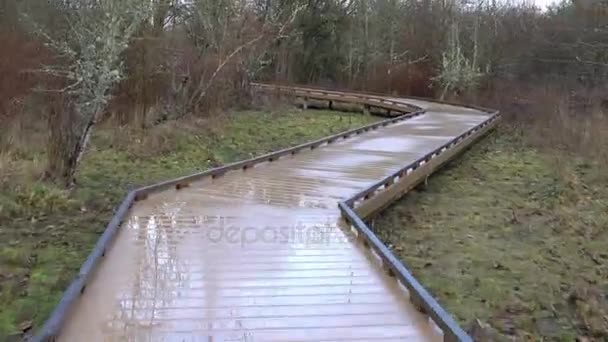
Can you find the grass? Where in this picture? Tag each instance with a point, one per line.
(512, 239)
(46, 233)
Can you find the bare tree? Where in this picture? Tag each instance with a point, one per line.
(224, 33)
(457, 72)
(90, 50)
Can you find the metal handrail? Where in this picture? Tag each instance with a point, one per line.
(367, 193)
(77, 287)
(421, 298)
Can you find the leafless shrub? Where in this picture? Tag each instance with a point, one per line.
(97, 36)
(144, 86)
(554, 116)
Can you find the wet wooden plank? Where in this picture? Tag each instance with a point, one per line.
(262, 254)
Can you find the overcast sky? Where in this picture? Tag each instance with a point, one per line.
(544, 3)
(540, 3)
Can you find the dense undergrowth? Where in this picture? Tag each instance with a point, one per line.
(46, 232)
(511, 238)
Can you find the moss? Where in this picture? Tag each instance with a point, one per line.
(508, 235)
(47, 233)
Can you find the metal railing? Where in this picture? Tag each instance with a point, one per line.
(419, 296)
(52, 326)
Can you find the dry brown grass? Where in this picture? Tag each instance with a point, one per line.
(554, 117)
(158, 139)
(13, 169)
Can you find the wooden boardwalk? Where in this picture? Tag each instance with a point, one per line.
(262, 254)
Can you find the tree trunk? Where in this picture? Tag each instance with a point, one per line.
(78, 152)
(67, 143)
(60, 138)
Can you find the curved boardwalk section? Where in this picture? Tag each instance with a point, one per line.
(262, 254)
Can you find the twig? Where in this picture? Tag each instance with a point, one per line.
(203, 93)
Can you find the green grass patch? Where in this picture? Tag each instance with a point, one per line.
(512, 237)
(46, 233)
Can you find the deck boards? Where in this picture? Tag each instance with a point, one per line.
(262, 254)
